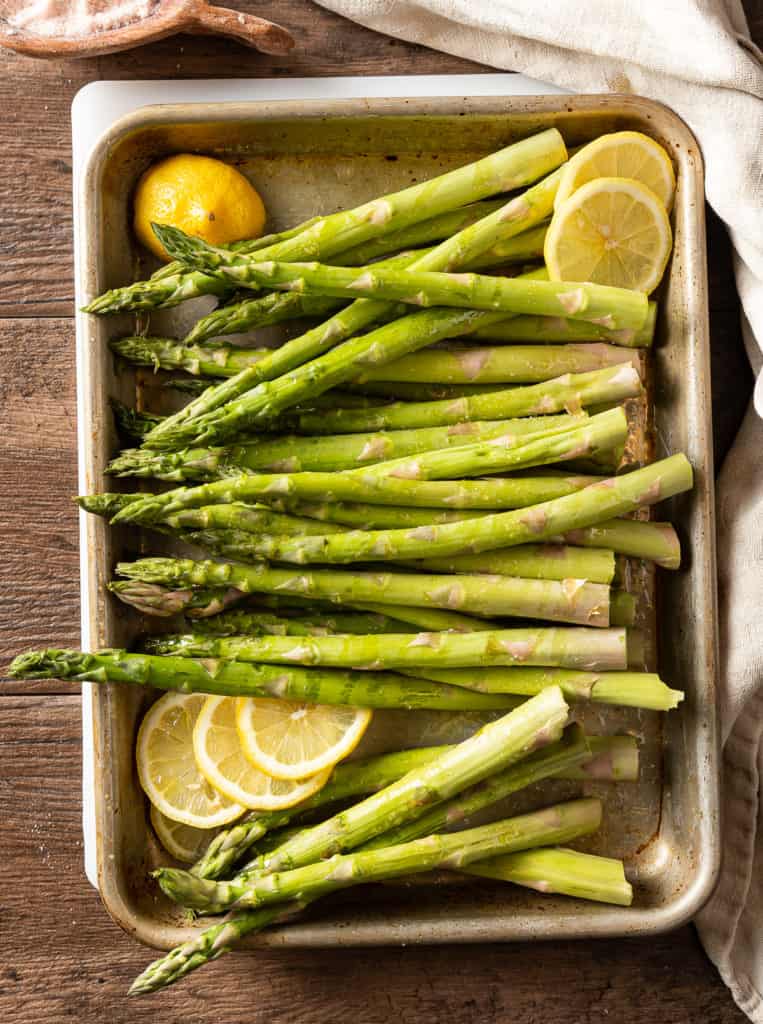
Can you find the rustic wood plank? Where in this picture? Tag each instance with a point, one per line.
(70, 961)
(38, 465)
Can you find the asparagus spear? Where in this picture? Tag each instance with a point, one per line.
(291, 454)
(509, 168)
(617, 308)
(497, 365)
(657, 542)
(259, 311)
(481, 595)
(238, 679)
(196, 603)
(558, 870)
(261, 623)
(571, 820)
(622, 689)
(509, 364)
(508, 492)
(532, 561)
(132, 422)
(570, 392)
(572, 439)
(379, 517)
(559, 329)
(597, 503)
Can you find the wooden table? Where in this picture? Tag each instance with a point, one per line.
(62, 956)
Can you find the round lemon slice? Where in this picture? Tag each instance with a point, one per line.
(183, 842)
(222, 762)
(620, 155)
(612, 231)
(291, 740)
(167, 767)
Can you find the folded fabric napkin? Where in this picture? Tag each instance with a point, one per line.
(695, 56)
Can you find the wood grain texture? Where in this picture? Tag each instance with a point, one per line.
(63, 957)
(70, 962)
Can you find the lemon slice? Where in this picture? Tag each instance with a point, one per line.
(291, 740)
(183, 842)
(611, 231)
(620, 155)
(222, 762)
(167, 767)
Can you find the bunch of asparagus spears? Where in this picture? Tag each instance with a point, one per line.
(442, 450)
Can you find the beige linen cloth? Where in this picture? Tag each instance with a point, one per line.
(696, 57)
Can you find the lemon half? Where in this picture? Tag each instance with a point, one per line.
(202, 196)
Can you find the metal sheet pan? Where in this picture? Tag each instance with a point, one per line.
(307, 157)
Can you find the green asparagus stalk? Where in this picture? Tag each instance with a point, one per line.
(597, 503)
(239, 679)
(557, 329)
(622, 689)
(508, 492)
(168, 354)
(381, 517)
(535, 724)
(132, 423)
(509, 168)
(506, 453)
(381, 392)
(196, 603)
(532, 561)
(570, 392)
(509, 364)
(613, 759)
(656, 542)
(480, 595)
(557, 870)
(415, 652)
(497, 365)
(617, 308)
(258, 311)
(292, 454)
